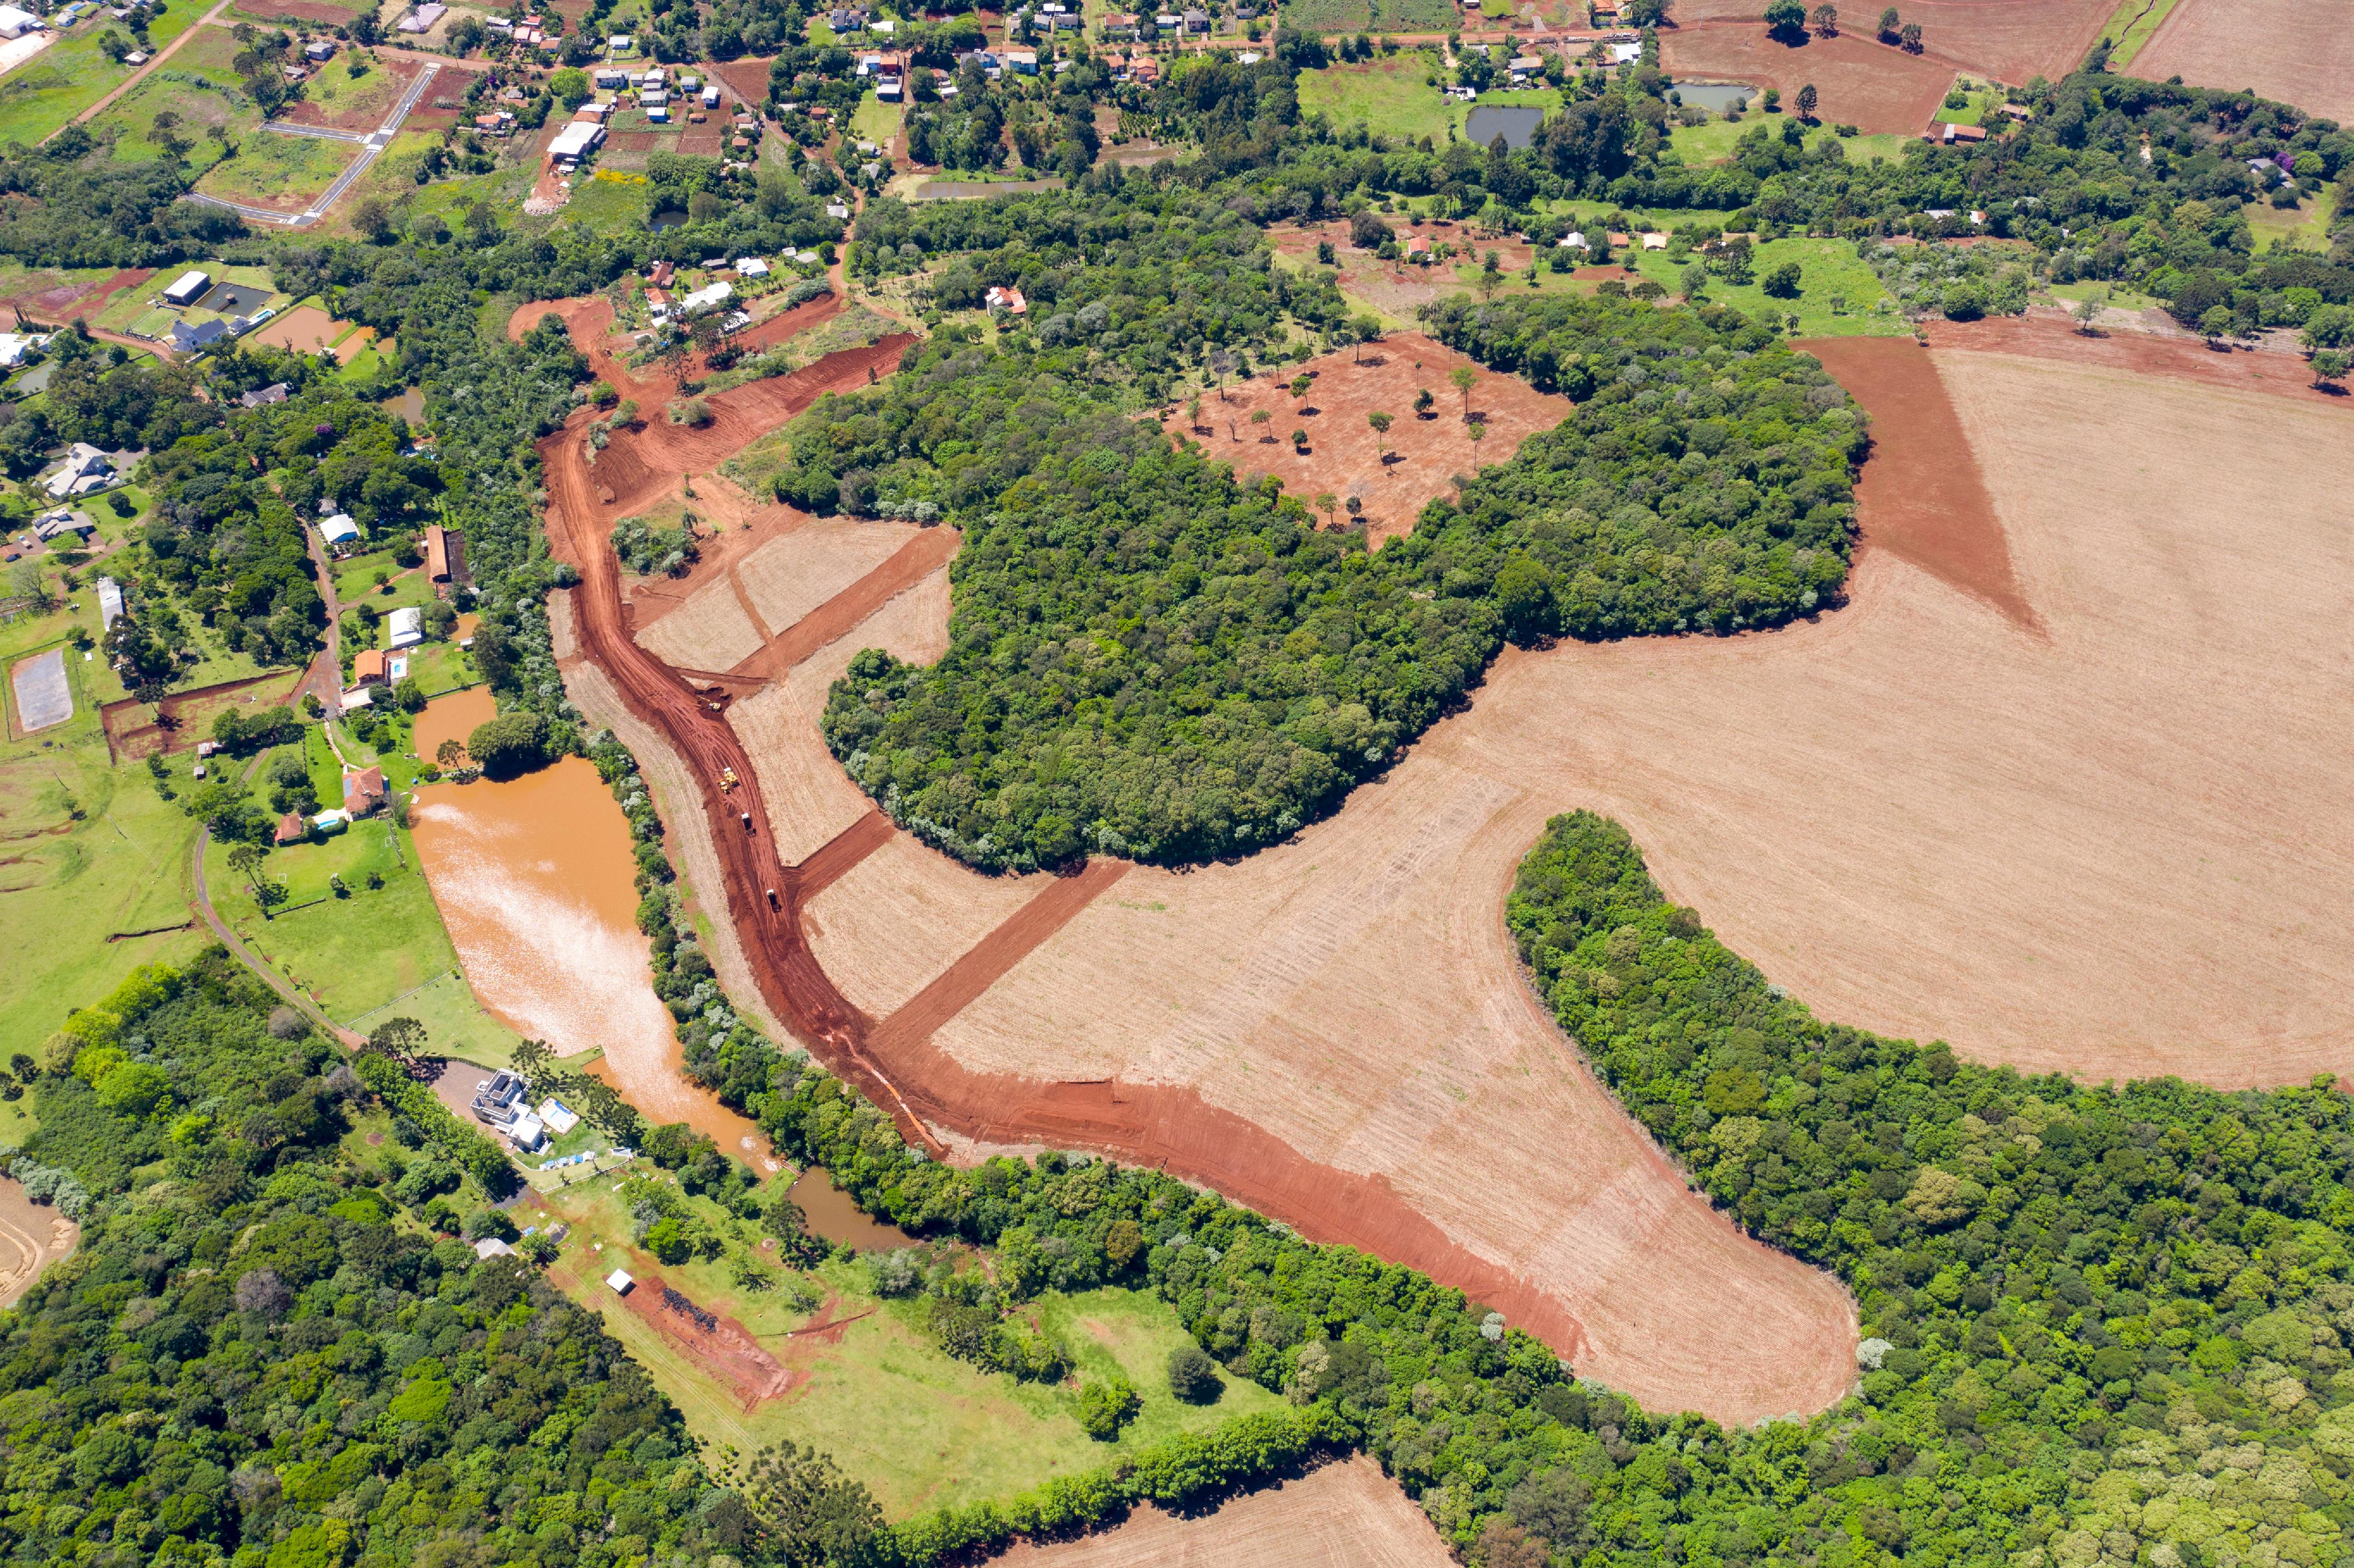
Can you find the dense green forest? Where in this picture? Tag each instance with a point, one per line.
(1149, 659)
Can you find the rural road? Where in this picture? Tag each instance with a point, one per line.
(135, 77)
(370, 146)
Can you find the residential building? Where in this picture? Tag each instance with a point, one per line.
(109, 603)
(364, 793)
(368, 667)
(85, 469)
(273, 393)
(15, 345)
(337, 531)
(576, 141)
(292, 830)
(438, 541)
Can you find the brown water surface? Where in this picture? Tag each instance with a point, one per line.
(830, 1213)
(535, 879)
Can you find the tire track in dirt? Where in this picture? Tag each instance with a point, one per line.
(909, 565)
(904, 1072)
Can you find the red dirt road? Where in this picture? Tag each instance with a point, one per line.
(899, 1067)
(1927, 501)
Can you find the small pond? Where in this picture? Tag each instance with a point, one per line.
(969, 190)
(828, 1212)
(1716, 97)
(1516, 124)
(667, 218)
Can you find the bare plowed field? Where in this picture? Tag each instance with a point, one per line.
(2298, 51)
(2010, 41)
(789, 577)
(1344, 1515)
(809, 798)
(1861, 83)
(1340, 459)
(902, 915)
(710, 631)
(914, 626)
(2043, 335)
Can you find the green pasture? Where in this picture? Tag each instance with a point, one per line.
(1839, 295)
(41, 95)
(1329, 17)
(270, 169)
(2132, 26)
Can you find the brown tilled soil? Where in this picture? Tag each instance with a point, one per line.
(2010, 41)
(913, 625)
(1342, 1515)
(1938, 516)
(794, 575)
(915, 560)
(78, 302)
(894, 922)
(1862, 83)
(709, 632)
(2298, 52)
(1425, 454)
(2181, 357)
(809, 798)
(32, 1237)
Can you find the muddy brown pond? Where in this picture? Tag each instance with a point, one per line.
(536, 881)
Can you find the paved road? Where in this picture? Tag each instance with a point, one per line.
(370, 145)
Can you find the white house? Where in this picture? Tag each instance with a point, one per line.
(109, 603)
(408, 626)
(620, 44)
(709, 297)
(339, 529)
(746, 266)
(15, 346)
(85, 469)
(576, 141)
(619, 1282)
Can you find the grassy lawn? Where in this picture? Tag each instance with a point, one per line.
(1717, 142)
(362, 100)
(441, 667)
(876, 121)
(2135, 23)
(1392, 95)
(279, 171)
(1839, 295)
(1981, 99)
(133, 118)
(2305, 227)
(354, 575)
(454, 1023)
(71, 74)
(920, 1428)
(2108, 293)
(90, 851)
(1326, 16)
(353, 953)
(608, 201)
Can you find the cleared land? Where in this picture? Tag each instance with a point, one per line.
(333, 97)
(32, 1237)
(809, 798)
(913, 626)
(278, 171)
(1861, 83)
(2010, 41)
(2298, 51)
(306, 329)
(1344, 1515)
(709, 631)
(789, 577)
(1340, 459)
(898, 917)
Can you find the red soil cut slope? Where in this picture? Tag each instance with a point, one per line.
(1922, 491)
(2300, 52)
(1862, 83)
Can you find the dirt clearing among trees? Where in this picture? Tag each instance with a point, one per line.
(2300, 52)
(1343, 454)
(2010, 41)
(1342, 1515)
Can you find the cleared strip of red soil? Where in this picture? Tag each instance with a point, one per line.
(2039, 335)
(728, 1350)
(1927, 501)
(909, 565)
(744, 602)
(840, 853)
(993, 957)
(921, 1087)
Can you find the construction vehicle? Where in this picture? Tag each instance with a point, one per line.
(747, 822)
(773, 900)
(727, 779)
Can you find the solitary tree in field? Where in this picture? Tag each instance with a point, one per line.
(398, 1040)
(1477, 431)
(1299, 440)
(1464, 379)
(1422, 402)
(1261, 419)
(1365, 329)
(1807, 98)
(2329, 367)
(2216, 323)
(1786, 20)
(247, 860)
(1491, 272)
(1888, 25)
(1301, 384)
(2086, 312)
(1193, 412)
(1381, 424)
(1826, 20)
(1910, 36)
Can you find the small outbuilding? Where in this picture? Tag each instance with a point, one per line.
(620, 1282)
(407, 624)
(187, 288)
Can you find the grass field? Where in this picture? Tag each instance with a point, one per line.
(132, 118)
(1392, 95)
(87, 851)
(608, 201)
(1717, 140)
(876, 122)
(2134, 25)
(279, 171)
(358, 101)
(50, 88)
(2305, 227)
(1839, 295)
(454, 1021)
(921, 1429)
(1326, 16)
